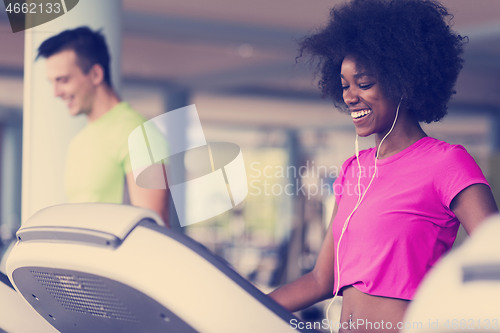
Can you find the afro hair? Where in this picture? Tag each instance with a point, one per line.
(407, 44)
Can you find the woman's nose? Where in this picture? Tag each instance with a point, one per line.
(350, 97)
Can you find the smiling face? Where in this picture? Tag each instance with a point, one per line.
(370, 110)
(70, 83)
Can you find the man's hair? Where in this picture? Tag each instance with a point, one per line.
(408, 44)
(90, 48)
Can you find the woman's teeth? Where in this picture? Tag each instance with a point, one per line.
(360, 114)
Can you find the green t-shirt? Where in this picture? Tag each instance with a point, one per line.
(98, 157)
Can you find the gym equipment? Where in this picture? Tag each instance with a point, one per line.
(97, 267)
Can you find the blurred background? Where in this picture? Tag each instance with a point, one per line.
(236, 60)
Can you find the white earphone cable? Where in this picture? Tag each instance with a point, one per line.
(360, 198)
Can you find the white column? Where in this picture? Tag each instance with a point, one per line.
(47, 126)
(10, 141)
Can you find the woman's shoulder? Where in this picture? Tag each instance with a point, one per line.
(442, 149)
(446, 157)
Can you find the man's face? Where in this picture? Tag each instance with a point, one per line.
(70, 83)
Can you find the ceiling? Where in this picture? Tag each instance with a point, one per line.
(249, 47)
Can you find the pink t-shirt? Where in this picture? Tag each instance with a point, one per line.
(404, 223)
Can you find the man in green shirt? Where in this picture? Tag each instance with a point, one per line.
(98, 163)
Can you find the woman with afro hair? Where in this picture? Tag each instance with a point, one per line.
(390, 64)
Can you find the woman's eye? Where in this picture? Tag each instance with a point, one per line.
(366, 85)
(345, 88)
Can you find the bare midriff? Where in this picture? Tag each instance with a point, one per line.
(366, 313)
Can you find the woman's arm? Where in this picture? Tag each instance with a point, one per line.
(314, 286)
(472, 205)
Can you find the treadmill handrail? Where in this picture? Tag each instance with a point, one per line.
(89, 223)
